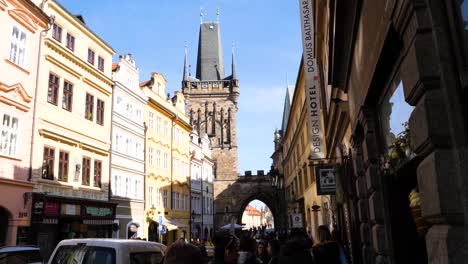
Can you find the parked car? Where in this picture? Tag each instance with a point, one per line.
(20, 255)
(107, 251)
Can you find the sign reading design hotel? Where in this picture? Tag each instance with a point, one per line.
(311, 80)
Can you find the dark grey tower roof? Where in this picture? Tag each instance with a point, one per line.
(210, 64)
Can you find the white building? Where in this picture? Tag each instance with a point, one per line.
(127, 155)
(201, 184)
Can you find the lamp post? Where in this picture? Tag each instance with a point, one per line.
(277, 182)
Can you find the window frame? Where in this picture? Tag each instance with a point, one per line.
(91, 56)
(63, 166)
(70, 42)
(86, 171)
(100, 111)
(55, 86)
(54, 32)
(8, 135)
(50, 159)
(18, 46)
(67, 96)
(97, 173)
(89, 107)
(100, 63)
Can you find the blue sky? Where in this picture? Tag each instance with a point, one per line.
(268, 46)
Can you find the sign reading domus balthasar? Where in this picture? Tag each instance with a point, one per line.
(311, 76)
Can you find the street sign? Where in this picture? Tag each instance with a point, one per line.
(162, 230)
(326, 179)
(160, 220)
(297, 221)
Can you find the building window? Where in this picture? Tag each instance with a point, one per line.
(151, 119)
(9, 135)
(86, 171)
(150, 197)
(90, 56)
(57, 32)
(158, 197)
(150, 155)
(18, 46)
(158, 124)
(52, 91)
(67, 96)
(100, 112)
(165, 200)
(48, 163)
(158, 158)
(70, 42)
(97, 173)
(63, 166)
(89, 107)
(100, 63)
(166, 128)
(165, 160)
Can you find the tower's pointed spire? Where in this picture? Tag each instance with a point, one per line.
(234, 75)
(186, 70)
(201, 15)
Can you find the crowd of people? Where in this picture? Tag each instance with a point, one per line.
(260, 247)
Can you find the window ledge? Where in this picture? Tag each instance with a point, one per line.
(17, 66)
(9, 157)
(89, 188)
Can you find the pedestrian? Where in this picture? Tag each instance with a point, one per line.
(231, 252)
(202, 248)
(327, 250)
(273, 249)
(261, 252)
(247, 251)
(180, 253)
(220, 242)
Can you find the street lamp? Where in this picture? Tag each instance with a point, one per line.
(277, 182)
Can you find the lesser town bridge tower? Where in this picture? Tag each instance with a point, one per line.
(212, 106)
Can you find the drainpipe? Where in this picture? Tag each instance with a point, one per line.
(33, 127)
(109, 191)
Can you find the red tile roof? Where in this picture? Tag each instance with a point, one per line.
(145, 83)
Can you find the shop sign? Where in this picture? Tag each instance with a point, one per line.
(51, 209)
(70, 209)
(311, 77)
(326, 179)
(98, 211)
(297, 221)
(38, 208)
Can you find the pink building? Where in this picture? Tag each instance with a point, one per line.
(21, 24)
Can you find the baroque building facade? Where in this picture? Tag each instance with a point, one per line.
(212, 100)
(201, 187)
(127, 152)
(71, 133)
(167, 210)
(22, 25)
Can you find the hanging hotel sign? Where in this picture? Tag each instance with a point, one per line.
(311, 76)
(326, 179)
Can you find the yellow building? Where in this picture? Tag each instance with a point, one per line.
(71, 133)
(167, 163)
(299, 170)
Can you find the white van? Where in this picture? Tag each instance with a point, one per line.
(107, 251)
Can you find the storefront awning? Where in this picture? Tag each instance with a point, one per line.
(173, 224)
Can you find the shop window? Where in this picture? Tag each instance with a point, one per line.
(394, 116)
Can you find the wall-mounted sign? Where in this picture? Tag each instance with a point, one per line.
(98, 211)
(326, 179)
(311, 76)
(296, 220)
(51, 209)
(70, 209)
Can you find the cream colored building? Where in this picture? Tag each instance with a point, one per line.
(72, 133)
(167, 163)
(251, 217)
(299, 171)
(21, 24)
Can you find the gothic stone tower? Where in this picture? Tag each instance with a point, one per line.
(212, 106)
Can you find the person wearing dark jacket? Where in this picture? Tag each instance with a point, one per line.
(273, 250)
(327, 250)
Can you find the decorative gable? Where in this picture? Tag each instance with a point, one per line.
(24, 18)
(3, 5)
(15, 95)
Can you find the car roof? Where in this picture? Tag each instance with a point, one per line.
(17, 248)
(118, 243)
